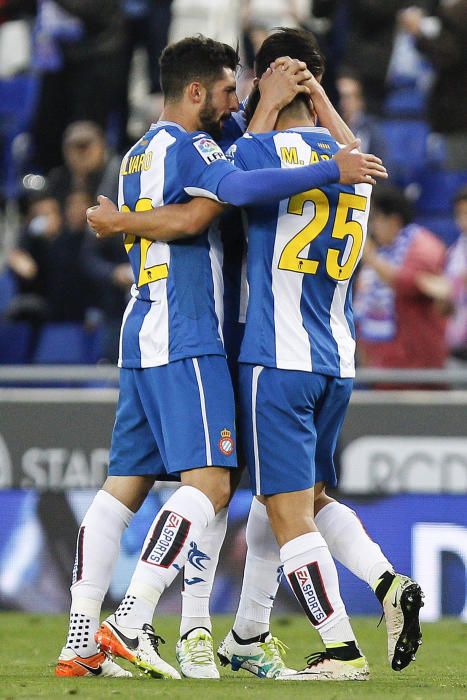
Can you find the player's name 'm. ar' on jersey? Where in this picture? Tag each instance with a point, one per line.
(302, 254)
(175, 310)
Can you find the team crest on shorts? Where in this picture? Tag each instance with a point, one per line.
(226, 443)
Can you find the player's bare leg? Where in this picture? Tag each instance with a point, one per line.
(97, 551)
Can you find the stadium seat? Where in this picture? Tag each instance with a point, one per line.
(15, 342)
(94, 343)
(8, 289)
(406, 147)
(18, 98)
(437, 190)
(405, 102)
(66, 343)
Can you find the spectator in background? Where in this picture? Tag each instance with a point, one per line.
(259, 17)
(450, 289)
(352, 107)
(369, 45)
(15, 36)
(79, 52)
(109, 273)
(398, 324)
(334, 18)
(47, 262)
(217, 20)
(147, 25)
(89, 164)
(443, 40)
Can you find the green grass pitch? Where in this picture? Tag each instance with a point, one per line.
(29, 645)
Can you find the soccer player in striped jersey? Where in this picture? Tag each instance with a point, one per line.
(341, 529)
(296, 369)
(253, 609)
(175, 414)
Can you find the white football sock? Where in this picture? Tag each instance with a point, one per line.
(261, 576)
(182, 520)
(198, 578)
(312, 575)
(350, 544)
(97, 551)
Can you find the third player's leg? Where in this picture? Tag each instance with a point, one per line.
(280, 408)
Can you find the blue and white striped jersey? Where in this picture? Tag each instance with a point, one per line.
(176, 301)
(230, 226)
(302, 254)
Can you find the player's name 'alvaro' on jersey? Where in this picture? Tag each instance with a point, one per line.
(175, 310)
(302, 254)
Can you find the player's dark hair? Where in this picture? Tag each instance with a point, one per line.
(390, 200)
(296, 43)
(191, 59)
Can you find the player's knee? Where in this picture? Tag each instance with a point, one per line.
(219, 499)
(281, 517)
(214, 482)
(321, 500)
(289, 519)
(224, 501)
(129, 490)
(220, 495)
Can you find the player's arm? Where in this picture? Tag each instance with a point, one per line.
(328, 116)
(244, 188)
(278, 86)
(237, 187)
(167, 223)
(241, 188)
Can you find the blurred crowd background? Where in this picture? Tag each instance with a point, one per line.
(79, 83)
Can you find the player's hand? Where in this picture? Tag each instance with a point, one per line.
(283, 81)
(356, 167)
(313, 85)
(102, 218)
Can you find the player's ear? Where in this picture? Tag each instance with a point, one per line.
(196, 92)
(255, 82)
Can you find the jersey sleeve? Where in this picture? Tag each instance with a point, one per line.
(242, 154)
(202, 165)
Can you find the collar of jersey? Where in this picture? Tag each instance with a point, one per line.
(164, 123)
(315, 129)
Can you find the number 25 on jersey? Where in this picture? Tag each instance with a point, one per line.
(342, 227)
